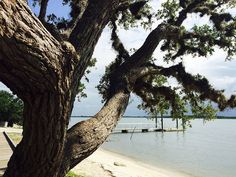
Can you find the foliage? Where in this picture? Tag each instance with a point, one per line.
(11, 108)
(200, 40)
(180, 104)
(81, 89)
(192, 92)
(139, 13)
(162, 106)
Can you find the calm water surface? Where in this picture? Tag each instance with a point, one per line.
(205, 150)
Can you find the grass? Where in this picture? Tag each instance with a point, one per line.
(72, 174)
(15, 137)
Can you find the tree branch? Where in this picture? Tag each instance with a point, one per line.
(86, 136)
(77, 10)
(43, 10)
(25, 62)
(190, 83)
(162, 31)
(151, 94)
(200, 85)
(88, 30)
(94, 19)
(117, 44)
(183, 14)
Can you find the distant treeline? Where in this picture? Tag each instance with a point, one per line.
(166, 116)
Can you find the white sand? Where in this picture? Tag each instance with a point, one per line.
(104, 163)
(11, 129)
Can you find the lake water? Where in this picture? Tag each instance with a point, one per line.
(205, 150)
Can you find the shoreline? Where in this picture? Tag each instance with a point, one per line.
(104, 163)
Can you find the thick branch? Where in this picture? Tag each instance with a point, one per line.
(89, 27)
(86, 136)
(30, 58)
(88, 30)
(144, 53)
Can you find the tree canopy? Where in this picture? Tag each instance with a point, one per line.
(176, 43)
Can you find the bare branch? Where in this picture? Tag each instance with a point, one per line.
(43, 10)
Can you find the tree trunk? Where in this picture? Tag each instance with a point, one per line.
(156, 122)
(40, 152)
(162, 123)
(177, 123)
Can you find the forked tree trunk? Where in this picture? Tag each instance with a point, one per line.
(45, 73)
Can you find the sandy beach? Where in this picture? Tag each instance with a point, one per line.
(104, 163)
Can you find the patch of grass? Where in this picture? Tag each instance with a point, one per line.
(16, 137)
(72, 174)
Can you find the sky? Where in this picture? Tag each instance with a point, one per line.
(220, 73)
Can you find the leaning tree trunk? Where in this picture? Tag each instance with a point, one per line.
(85, 137)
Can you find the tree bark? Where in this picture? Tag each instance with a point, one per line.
(85, 137)
(40, 152)
(45, 73)
(30, 58)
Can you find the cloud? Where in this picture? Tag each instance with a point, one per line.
(3, 87)
(219, 72)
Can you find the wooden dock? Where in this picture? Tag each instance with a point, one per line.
(141, 128)
(5, 153)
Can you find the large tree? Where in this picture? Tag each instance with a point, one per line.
(43, 58)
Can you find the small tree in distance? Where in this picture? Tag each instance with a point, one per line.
(161, 107)
(11, 108)
(180, 108)
(43, 58)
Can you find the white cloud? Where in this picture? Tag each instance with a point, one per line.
(220, 73)
(3, 87)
